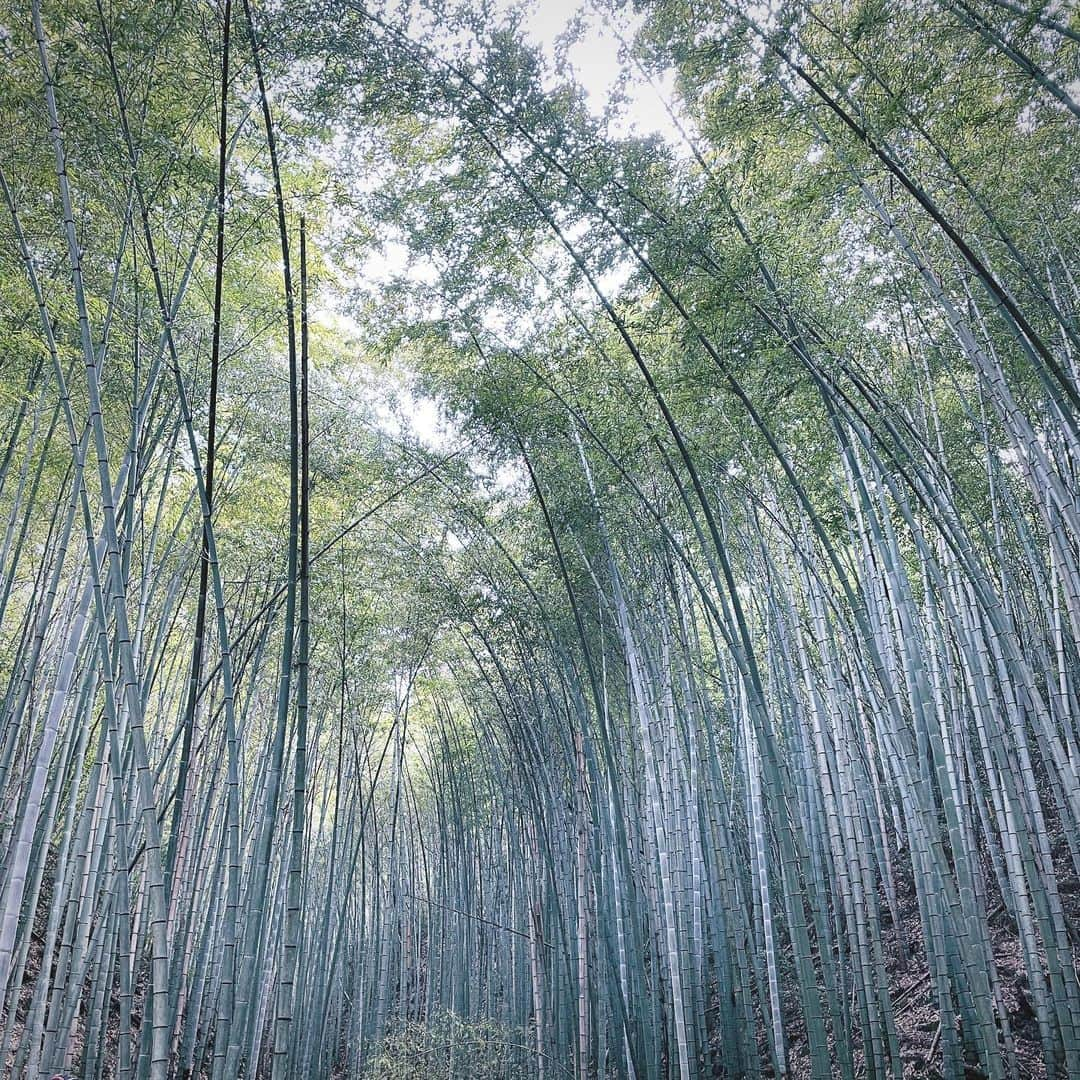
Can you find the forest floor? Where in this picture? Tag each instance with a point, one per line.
(916, 1013)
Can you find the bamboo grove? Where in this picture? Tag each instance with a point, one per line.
(705, 703)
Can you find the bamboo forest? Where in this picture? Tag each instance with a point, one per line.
(539, 539)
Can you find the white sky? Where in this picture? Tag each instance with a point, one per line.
(597, 65)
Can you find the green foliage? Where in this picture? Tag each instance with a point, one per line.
(447, 1047)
